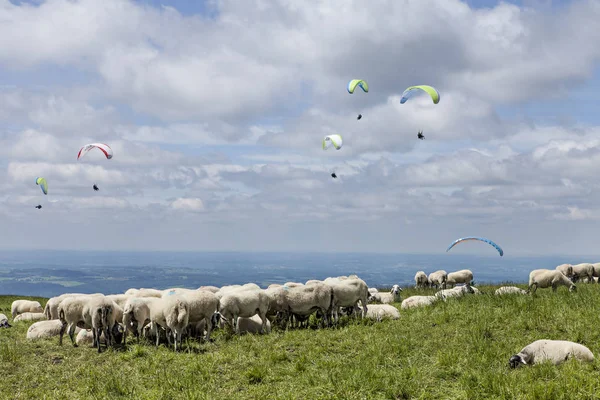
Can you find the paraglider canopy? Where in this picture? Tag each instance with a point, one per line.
(42, 184)
(332, 140)
(488, 241)
(357, 82)
(412, 90)
(101, 146)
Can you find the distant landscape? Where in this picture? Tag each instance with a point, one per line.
(51, 273)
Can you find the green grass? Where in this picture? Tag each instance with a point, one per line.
(454, 350)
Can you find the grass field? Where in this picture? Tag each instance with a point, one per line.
(454, 350)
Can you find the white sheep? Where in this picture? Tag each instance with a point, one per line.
(4, 321)
(136, 314)
(438, 279)
(51, 308)
(45, 329)
(251, 325)
(293, 284)
(302, 301)
(243, 303)
(566, 269)
(596, 271)
(312, 281)
(173, 291)
(373, 290)
(458, 291)
(463, 276)
(173, 315)
(347, 293)
(28, 316)
(583, 271)
(509, 290)
(20, 306)
(544, 278)
(421, 280)
(417, 301)
(120, 299)
(379, 312)
(143, 292)
(202, 305)
(131, 292)
(212, 289)
(555, 351)
(387, 298)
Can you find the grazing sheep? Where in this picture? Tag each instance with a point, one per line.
(387, 298)
(120, 299)
(20, 306)
(46, 329)
(458, 291)
(417, 301)
(149, 293)
(509, 290)
(421, 280)
(274, 286)
(566, 269)
(379, 312)
(131, 292)
(51, 308)
(347, 293)
(373, 290)
(545, 278)
(251, 325)
(4, 321)
(212, 289)
(27, 316)
(438, 279)
(313, 281)
(596, 271)
(173, 291)
(243, 303)
(555, 351)
(293, 284)
(463, 276)
(584, 271)
(136, 314)
(173, 315)
(202, 305)
(302, 301)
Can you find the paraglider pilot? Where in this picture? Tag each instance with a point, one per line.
(333, 175)
(95, 187)
(420, 135)
(39, 206)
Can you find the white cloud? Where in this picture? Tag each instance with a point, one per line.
(188, 204)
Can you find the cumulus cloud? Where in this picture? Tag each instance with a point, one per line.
(216, 122)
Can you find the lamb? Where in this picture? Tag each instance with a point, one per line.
(45, 329)
(136, 314)
(555, 351)
(509, 290)
(387, 298)
(173, 315)
(545, 278)
(421, 280)
(438, 279)
(417, 301)
(347, 293)
(458, 291)
(463, 276)
(251, 325)
(379, 312)
(202, 305)
(584, 271)
(28, 316)
(243, 303)
(20, 306)
(4, 321)
(566, 269)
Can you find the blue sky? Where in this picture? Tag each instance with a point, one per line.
(216, 121)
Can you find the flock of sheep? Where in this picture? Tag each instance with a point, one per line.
(179, 312)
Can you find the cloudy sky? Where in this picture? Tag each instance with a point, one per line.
(216, 110)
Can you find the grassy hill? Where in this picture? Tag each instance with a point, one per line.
(454, 350)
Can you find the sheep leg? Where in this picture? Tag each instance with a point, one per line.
(263, 327)
(97, 333)
(72, 334)
(209, 327)
(155, 331)
(534, 286)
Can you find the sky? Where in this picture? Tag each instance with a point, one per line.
(216, 111)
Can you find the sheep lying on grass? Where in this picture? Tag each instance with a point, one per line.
(387, 298)
(251, 325)
(417, 301)
(46, 329)
(379, 312)
(29, 316)
(555, 351)
(509, 290)
(455, 292)
(21, 306)
(545, 278)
